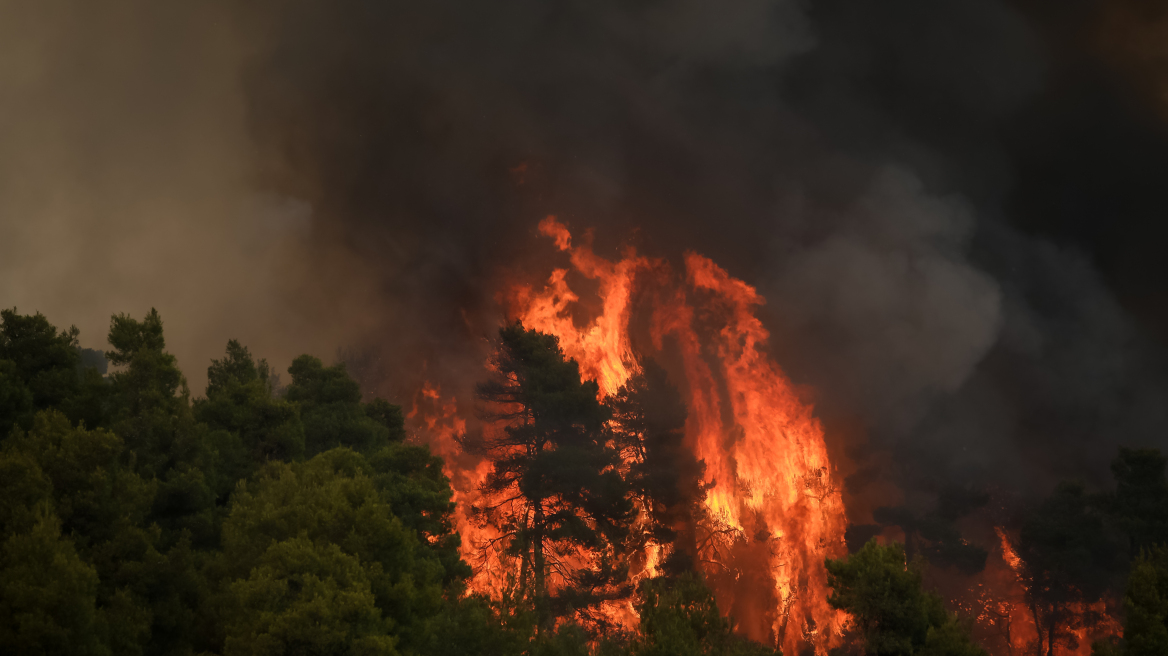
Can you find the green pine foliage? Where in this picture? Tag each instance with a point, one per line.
(893, 613)
(305, 597)
(16, 403)
(1140, 502)
(1139, 507)
(135, 521)
(1146, 602)
(680, 617)
(328, 512)
(1071, 559)
(48, 594)
(332, 411)
(42, 368)
(44, 360)
(138, 518)
(240, 401)
(665, 477)
(554, 490)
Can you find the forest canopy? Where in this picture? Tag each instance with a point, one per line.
(137, 518)
(260, 518)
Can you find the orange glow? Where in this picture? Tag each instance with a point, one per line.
(777, 477)
(550, 227)
(1003, 606)
(1008, 554)
(439, 420)
(773, 509)
(773, 493)
(602, 349)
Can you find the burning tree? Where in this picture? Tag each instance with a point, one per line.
(935, 535)
(770, 510)
(666, 478)
(554, 492)
(1070, 560)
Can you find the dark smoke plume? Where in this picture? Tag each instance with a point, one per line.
(854, 160)
(936, 197)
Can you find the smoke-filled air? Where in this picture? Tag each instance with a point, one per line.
(609, 328)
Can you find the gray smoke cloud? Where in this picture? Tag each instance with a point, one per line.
(887, 308)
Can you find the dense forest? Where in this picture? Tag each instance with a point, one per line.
(263, 518)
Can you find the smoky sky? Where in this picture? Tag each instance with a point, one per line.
(953, 207)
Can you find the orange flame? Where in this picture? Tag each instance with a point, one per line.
(1004, 606)
(778, 469)
(602, 349)
(439, 420)
(774, 509)
(772, 484)
(1008, 554)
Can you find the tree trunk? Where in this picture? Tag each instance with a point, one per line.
(1037, 625)
(539, 568)
(524, 568)
(1009, 632)
(1050, 627)
(687, 535)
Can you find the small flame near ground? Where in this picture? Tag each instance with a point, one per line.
(775, 511)
(1005, 619)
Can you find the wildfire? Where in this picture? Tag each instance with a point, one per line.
(438, 418)
(772, 496)
(1008, 554)
(772, 509)
(1005, 607)
(602, 349)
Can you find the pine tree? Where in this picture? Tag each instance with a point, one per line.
(665, 477)
(892, 612)
(554, 491)
(1071, 557)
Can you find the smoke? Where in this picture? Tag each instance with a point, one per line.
(366, 175)
(887, 310)
(1131, 39)
(124, 184)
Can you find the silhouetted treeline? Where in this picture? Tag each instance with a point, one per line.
(1087, 560)
(1084, 551)
(299, 519)
(258, 519)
